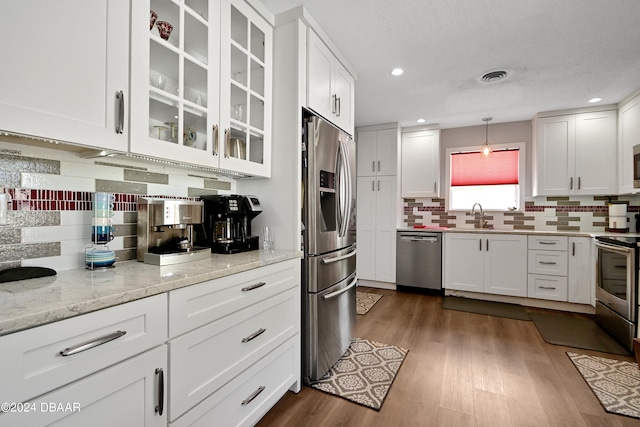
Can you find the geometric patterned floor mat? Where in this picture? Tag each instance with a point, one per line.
(365, 373)
(616, 383)
(365, 300)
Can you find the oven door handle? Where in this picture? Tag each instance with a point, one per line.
(618, 249)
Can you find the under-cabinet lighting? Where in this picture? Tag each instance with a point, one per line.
(592, 100)
(397, 71)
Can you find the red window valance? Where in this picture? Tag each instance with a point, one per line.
(500, 168)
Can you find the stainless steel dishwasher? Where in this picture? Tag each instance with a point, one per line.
(419, 259)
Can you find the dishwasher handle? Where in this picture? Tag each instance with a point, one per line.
(419, 237)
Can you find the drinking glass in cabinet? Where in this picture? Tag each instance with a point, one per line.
(168, 21)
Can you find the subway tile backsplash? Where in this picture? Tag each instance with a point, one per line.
(49, 221)
(575, 213)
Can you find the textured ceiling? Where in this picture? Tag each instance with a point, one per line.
(561, 52)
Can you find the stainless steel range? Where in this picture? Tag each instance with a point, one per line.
(617, 286)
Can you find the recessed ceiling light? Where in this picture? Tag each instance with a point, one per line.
(421, 120)
(397, 71)
(592, 100)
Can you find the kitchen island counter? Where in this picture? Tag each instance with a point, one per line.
(34, 302)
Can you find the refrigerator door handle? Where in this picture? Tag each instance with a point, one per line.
(339, 258)
(341, 291)
(344, 184)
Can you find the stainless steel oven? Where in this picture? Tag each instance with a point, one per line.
(616, 287)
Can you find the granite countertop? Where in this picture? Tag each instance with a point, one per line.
(33, 302)
(508, 231)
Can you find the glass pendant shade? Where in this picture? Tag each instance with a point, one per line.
(486, 149)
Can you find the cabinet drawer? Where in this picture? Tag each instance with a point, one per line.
(32, 359)
(125, 394)
(547, 287)
(204, 360)
(548, 243)
(267, 380)
(197, 305)
(548, 262)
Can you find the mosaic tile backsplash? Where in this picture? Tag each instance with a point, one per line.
(574, 213)
(51, 192)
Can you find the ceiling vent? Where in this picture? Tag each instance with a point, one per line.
(494, 76)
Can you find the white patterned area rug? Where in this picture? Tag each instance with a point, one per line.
(365, 373)
(616, 383)
(365, 300)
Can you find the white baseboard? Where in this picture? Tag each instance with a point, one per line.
(528, 302)
(375, 284)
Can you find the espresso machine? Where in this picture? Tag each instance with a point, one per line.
(227, 223)
(167, 230)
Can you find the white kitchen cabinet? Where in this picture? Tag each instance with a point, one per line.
(251, 394)
(420, 164)
(115, 334)
(223, 330)
(377, 151)
(376, 229)
(575, 154)
(628, 136)
(66, 71)
(581, 271)
(548, 268)
(130, 393)
(487, 263)
(331, 87)
(203, 96)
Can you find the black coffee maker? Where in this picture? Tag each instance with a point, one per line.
(227, 223)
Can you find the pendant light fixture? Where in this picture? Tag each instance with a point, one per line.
(486, 147)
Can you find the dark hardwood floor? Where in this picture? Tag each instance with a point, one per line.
(462, 369)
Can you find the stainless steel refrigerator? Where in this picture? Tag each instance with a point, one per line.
(329, 240)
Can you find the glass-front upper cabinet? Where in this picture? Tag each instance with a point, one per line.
(201, 84)
(246, 90)
(175, 75)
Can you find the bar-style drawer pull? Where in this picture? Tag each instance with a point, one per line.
(253, 395)
(254, 286)
(547, 287)
(547, 262)
(256, 334)
(91, 344)
(160, 405)
(548, 243)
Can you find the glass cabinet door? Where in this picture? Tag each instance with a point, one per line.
(175, 104)
(246, 138)
(178, 68)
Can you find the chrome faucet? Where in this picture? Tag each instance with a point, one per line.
(483, 220)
